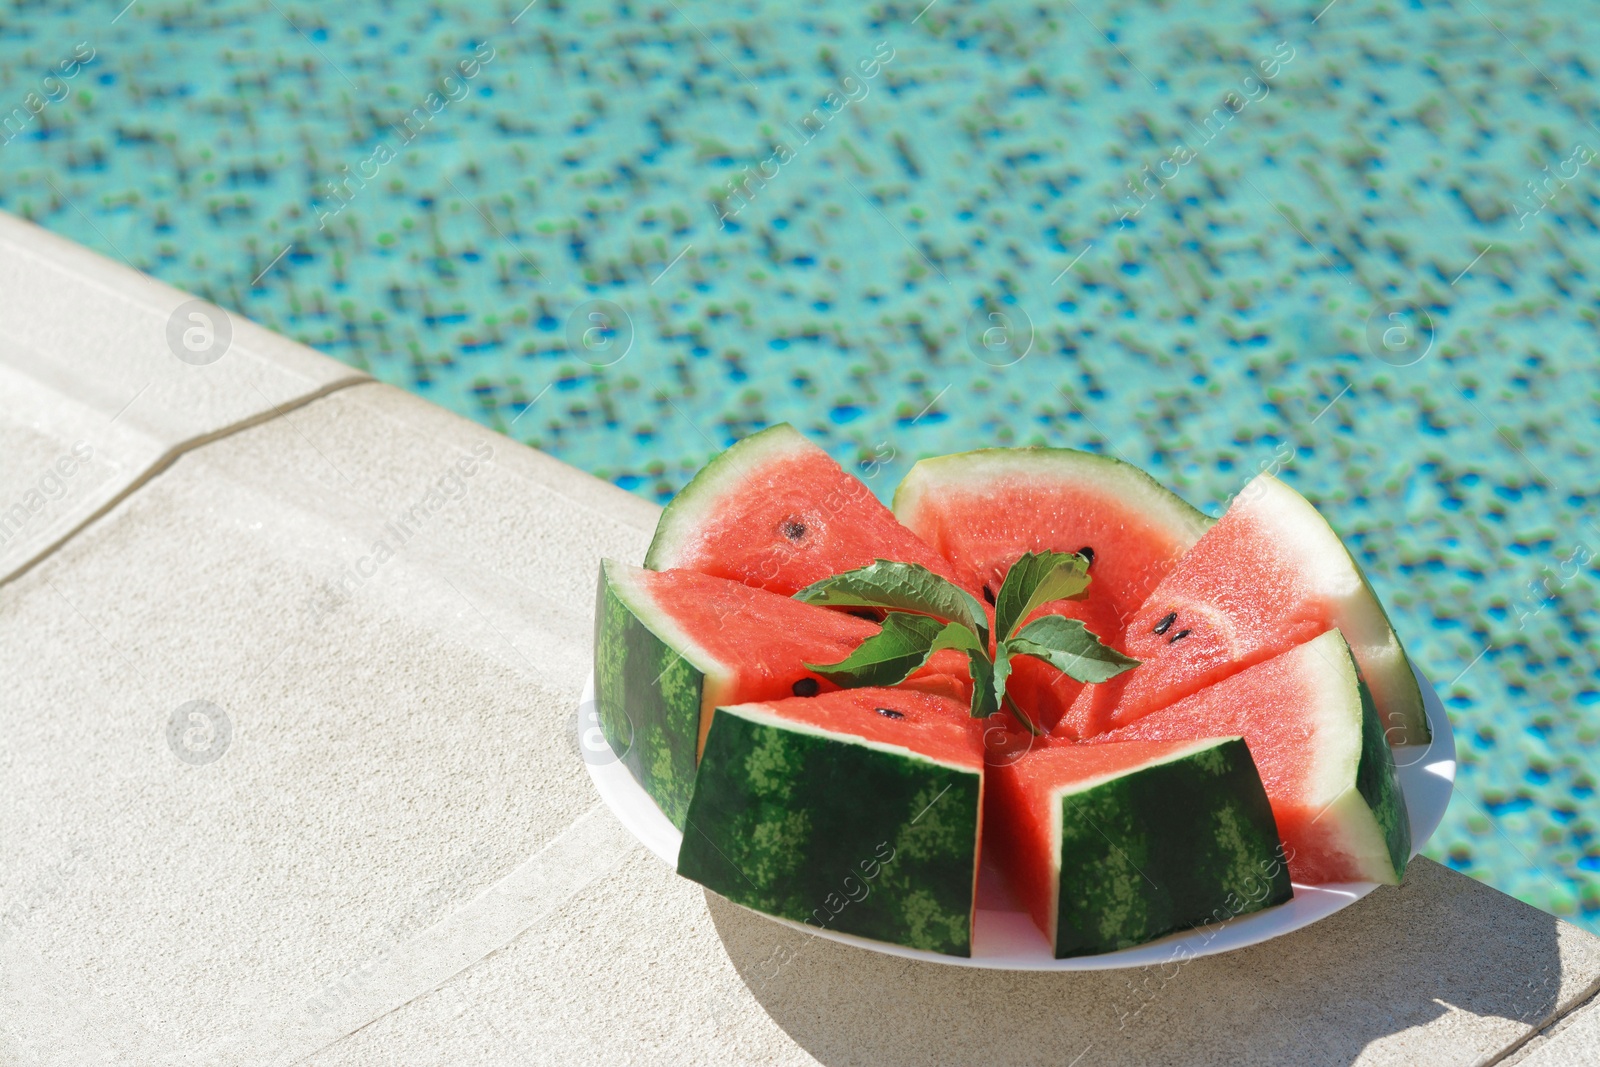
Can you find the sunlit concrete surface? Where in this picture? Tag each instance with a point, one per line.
(106, 375)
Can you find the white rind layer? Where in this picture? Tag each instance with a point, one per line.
(1045, 467)
(1329, 574)
(1335, 712)
(1180, 750)
(627, 583)
(689, 511)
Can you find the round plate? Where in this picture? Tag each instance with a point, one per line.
(1004, 936)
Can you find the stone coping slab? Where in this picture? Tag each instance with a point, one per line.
(290, 776)
(1571, 1041)
(106, 375)
(372, 745)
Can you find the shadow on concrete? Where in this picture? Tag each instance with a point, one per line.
(1439, 946)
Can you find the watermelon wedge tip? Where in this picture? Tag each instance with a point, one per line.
(1270, 575)
(1315, 737)
(672, 645)
(777, 512)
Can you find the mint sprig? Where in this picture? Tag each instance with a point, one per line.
(900, 587)
(1038, 578)
(1070, 647)
(898, 651)
(926, 613)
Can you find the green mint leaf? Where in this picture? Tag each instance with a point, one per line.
(898, 651)
(900, 587)
(1002, 674)
(985, 701)
(1070, 647)
(1037, 578)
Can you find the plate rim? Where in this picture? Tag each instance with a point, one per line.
(1427, 783)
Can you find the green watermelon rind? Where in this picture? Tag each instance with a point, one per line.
(826, 828)
(1363, 621)
(1349, 783)
(1169, 846)
(1117, 477)
(689, 510)
(1353, 777)
(1378, 782)
(651, 685)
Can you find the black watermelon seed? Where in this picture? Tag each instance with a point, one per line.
(793, 529)
(1166, 622)
(1179, 636)
(1087, 553)
(805, 687)
(988, 594)
(890, 713)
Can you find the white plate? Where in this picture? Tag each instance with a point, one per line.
(1004, 937)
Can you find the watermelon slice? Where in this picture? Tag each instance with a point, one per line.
(672, 645)
(857, 811)
(982, 510)
(1315, 737)
(1114, 845)
(1270, 575)
(776, 512)
(1142, 815)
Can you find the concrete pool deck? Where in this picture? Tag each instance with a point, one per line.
(291, 660)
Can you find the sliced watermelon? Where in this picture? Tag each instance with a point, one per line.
(1312, 729)
(856, 811)
(1113, 845)
(672, 645)
(982, 510)
(1270, 575)
(776, 512)
(860, 810)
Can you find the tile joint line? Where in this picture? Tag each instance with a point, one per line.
(172, 455)
(1589, 998)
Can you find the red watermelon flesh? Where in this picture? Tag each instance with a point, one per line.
(1269, 576)
(982, 510)
(749, 644)
(1038, 687)
(760, 642)
(1322, 758)
(1042, 691)
(754, 644)
(925, 723)
(776, 512)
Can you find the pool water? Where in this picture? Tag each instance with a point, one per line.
(1352, 245)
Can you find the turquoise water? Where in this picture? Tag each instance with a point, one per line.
(1354, 247)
